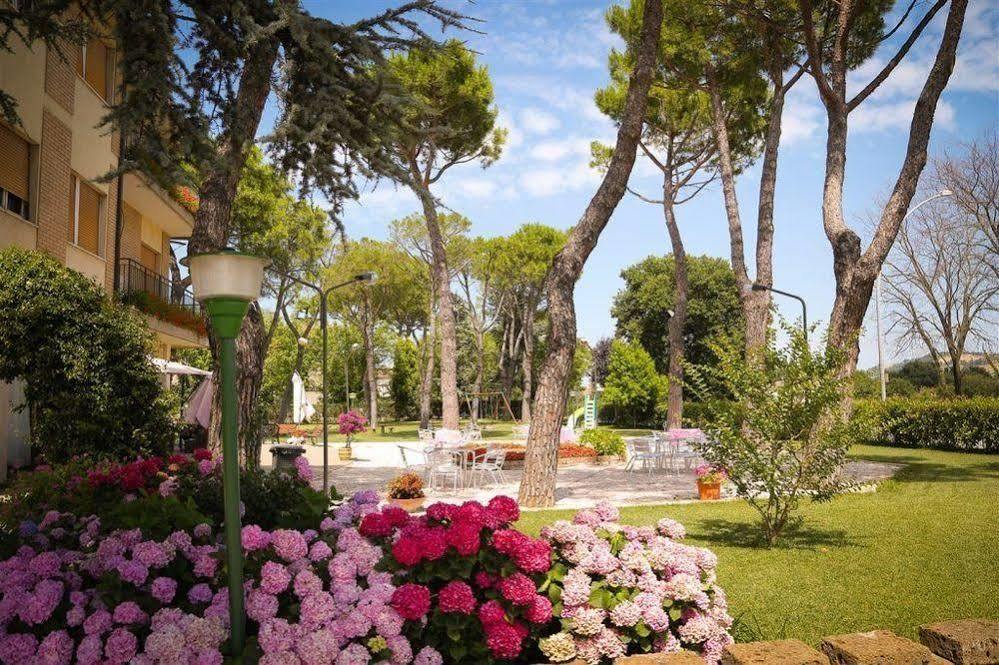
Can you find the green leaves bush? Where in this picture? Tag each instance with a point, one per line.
(603, 441)
(966, 425)
(89, 384)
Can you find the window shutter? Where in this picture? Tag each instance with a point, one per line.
(89, 224)
(14, 153)
(148, 258)
(97, 66)
(72, 208)
(80, 57)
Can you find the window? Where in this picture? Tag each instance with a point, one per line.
(86, 210)
(15, 154)
(94, 65)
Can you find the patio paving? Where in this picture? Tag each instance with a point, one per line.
(578, 486)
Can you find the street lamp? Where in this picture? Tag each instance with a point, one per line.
(804, 310)
(226, 283)
(346, 371)
(877, 295)
(367, 278)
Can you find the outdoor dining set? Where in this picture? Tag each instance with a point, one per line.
(455, 459)
(669, 451)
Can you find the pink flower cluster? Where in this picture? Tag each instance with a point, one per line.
(59, 579)
(494, 595)
(318, 598)
(603, 559)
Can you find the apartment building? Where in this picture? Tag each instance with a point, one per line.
(52, 198)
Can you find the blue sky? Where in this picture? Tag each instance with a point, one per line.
(547, 58)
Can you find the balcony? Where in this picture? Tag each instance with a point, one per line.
(163, 300)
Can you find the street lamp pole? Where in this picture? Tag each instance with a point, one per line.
(346, 373)
(804, 309)
(877, 295)
(226, 283)
(367, 278)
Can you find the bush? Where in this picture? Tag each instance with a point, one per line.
(406, 486)
(965, 425)
(605, 442)
(623, 590)
(633, 386)
(89, 384)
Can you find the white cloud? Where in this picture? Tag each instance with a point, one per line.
(475, 187)
(538, 121)
(551, 181)
(877, 117)
(802, 118)
(558, 149)
(555, 94)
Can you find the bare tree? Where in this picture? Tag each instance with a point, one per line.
(541, 458)
(942, 284)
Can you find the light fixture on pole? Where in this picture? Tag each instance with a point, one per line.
(877, 295)
(804, 309)
(366, 278)
(346, 371)
(226, 282)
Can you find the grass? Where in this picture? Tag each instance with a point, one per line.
(408, 430)
(923, 548)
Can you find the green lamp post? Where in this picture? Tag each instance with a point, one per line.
(226, 283)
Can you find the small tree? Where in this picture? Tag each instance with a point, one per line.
(633, 386)
(405, 379)
(89, 384)
(787, 438)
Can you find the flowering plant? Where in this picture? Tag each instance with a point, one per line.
(406, 486)
(468, 582)
(622, 589)
(351, 423)
(709, 474)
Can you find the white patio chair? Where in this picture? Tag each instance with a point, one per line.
(442, 468)
(489, 463)
(426, 436)
(414, 461)
(641, 450)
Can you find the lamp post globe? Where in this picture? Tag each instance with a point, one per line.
(226, 282)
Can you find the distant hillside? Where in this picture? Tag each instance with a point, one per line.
(970, 359)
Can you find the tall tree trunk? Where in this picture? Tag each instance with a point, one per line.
(427, 366)
(445, 311)
(212, 226)
(541, 458)
(674, 404)
(855, 271)
(955, 372)
(480, 373)
(527, 362)
(370, 376)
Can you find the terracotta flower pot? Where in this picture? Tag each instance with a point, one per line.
(708, 491)
(409, 505)
(344, 454)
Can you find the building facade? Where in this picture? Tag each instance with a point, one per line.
(53, 199)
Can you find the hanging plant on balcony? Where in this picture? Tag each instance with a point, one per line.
(186, 197)
(163, 310)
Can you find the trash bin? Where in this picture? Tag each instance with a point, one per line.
(283, 456)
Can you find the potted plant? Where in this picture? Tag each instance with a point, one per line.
(406, 491)
(709, 481)
(350, 423)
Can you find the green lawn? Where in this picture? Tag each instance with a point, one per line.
(408, 430)
(924, 547)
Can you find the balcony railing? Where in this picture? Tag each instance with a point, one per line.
(135, 278)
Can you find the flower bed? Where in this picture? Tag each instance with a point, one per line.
(568, 453)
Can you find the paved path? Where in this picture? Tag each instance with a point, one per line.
(375, 464)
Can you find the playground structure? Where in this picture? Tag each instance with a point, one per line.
(492, 400)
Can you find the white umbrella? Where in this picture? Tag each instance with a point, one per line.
(199, 405)
(299, 402)
(171, 367)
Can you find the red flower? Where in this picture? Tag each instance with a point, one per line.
(508, 541)
(464, 538)
(411, 601)
(470, 511)
(434, 543)
(202, 454)
(407, 551)
(484, 580)
(440, 512)
(491, 612)
(540, 611)
(396, 516)
(375, 525)
(178, 459)
(502, 511)
(533, 556)
(503, 640)
(518, 589)
(456, 596)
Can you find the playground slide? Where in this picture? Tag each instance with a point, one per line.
(575, 416)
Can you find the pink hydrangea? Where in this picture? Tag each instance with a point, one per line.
(254, 538)
(163, 589)
(290, 545)
(456, 597)
(503, 639)
(411, 601)
(518, 589)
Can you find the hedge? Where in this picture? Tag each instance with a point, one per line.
(966, 425)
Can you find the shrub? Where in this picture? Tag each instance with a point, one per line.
(966, 425)
(633, 386)
(621, 590)
(603, 441)
(89, 384)
(406, 486)
(788, 437)
(467, 581)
